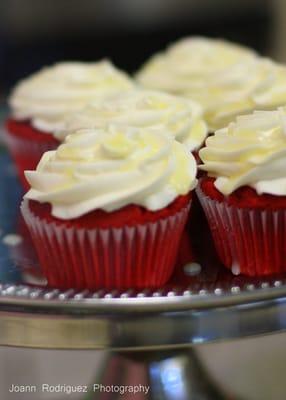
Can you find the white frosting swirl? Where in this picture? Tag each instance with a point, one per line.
(226, 79)
(273, 94)
(143, 108)
(111, 168)
(249, 152)
(47, 96)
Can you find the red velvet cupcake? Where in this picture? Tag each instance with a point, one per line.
(244, 196)
(27, 144)
(108, 208)
(41, 102)
(224, 77)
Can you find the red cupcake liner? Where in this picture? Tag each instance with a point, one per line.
(27, 146)
(248, 241)
(136, 256)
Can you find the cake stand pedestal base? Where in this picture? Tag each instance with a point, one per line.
(156, 375)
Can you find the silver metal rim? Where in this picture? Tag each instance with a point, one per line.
(33, 317)
(71, 301)
(47, 328)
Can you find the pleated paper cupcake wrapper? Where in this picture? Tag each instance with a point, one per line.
(26, 154)
(129, 257)
(248, 241)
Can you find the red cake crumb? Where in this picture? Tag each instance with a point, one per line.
(129, 215)
(27, 145)
(25, 130)
(244, 197)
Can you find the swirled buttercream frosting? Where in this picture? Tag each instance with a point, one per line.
(250, 152)
(226, 79)
(110, 168)
(181, 117)
(46, 97)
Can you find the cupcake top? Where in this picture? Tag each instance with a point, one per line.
(46, 97)
(190, 63)
(226, 79)
(259, 84)
(110, 168)
(142, 109)
(250, 152)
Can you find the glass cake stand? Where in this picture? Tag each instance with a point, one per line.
(155, 331)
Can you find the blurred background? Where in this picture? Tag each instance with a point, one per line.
(38, 32)
(34, 33)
